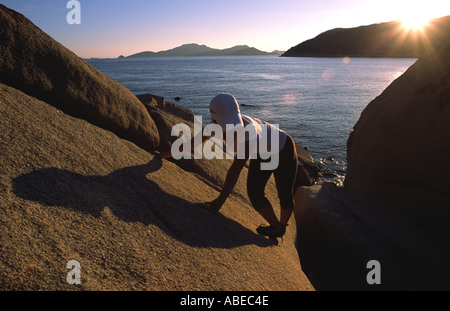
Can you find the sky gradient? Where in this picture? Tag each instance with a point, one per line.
(110, 28)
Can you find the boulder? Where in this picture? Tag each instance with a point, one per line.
(153, 101)
(398, 149)
(36, 64)
(308, 171)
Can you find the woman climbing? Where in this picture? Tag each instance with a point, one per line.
(225, 111)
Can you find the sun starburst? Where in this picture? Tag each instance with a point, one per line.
(415, 21)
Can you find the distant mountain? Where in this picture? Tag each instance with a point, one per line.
(390, 39)
(189, 50)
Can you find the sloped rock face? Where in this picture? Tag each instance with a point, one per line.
(73, 191)
(36, 64)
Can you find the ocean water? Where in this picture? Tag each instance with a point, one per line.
(316, 100)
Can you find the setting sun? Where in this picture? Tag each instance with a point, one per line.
(416, 21)
(416, 14)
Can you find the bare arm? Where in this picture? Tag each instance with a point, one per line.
(228, 186)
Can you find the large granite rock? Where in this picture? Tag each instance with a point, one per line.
(36, 64)
(73, 191)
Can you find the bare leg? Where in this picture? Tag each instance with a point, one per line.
(268, 214)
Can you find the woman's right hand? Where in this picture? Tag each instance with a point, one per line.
(161, 154)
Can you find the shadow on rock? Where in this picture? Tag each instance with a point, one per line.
(132, 197)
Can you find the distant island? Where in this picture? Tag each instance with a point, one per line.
(389, 39)
(193, 49)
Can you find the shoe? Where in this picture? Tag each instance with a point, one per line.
(272, 232)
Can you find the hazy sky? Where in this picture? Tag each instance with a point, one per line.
(110, 28)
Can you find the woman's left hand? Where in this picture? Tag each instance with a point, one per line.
(161, 155)
(214, 206)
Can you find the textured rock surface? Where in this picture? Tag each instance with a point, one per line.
(36, 64)
(72, 191)
(398, 150)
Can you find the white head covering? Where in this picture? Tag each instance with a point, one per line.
(225, 110)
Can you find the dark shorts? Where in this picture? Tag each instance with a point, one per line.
(284, 174)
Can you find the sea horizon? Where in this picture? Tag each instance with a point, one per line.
(317, 100)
